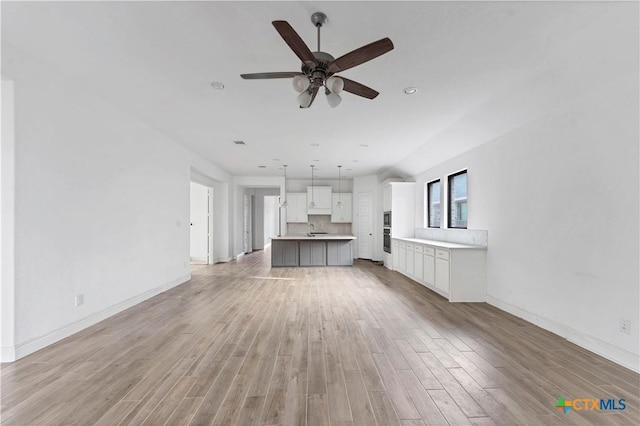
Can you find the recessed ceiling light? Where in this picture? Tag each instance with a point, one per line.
(276, 159)
(239, 142)
(316, 160)
(315, 144)
(355, 161)
(262, 167)
(349, 170)
(410, 90)
(364, 145)
(217, 85)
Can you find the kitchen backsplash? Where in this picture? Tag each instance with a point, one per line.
(474, 237)
(321, 223)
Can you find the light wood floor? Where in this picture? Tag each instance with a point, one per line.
(244, 344)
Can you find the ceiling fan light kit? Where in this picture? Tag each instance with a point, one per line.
(318, 68)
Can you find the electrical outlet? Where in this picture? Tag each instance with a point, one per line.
(79, 299)
(625, 326)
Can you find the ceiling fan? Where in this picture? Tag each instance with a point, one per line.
(318, 68)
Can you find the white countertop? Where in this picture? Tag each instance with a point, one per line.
(442, 244)
(317, 237)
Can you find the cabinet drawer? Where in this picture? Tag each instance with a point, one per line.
(418, 249)
(409, 247)
(402, 245)
(430, 251)
(394, 243)
(442, 254)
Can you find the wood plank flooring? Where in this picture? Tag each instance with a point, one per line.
(244, 344)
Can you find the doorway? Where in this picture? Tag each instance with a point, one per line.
(200, 217)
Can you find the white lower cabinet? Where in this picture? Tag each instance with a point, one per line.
(458, 273)
(395, 255)
(418, 262)
(429, 266)
(402, 257)
(442, 275)
(409, 267)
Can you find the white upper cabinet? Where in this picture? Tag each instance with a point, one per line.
(386, 198)
(321, 196)
(297, 207)
(345, 213)
(398, 198)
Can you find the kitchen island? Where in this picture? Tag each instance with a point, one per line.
(312, 250)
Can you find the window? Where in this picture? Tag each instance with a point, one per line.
(458, 200)
(433, 204)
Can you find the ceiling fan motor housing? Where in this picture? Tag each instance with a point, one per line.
(318, 73)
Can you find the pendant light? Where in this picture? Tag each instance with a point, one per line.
(284, 204)
(339, 203)
(312, 204)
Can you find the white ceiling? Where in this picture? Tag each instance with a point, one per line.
(482, 69)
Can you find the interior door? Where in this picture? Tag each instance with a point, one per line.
(365, 225)
(247, 243)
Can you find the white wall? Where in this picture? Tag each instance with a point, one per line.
(7, 220)
(271, 219)
(199, 223)
(559, 198)
(103, 204)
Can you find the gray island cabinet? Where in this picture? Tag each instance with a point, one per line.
(317, 250)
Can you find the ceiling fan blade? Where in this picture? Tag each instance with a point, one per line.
(358, 89)
(294, 41)
(314, 92)
(361, 55)
(263, 75)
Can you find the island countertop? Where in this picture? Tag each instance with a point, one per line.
(315, 237)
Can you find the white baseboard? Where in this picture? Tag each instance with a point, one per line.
(32, 345)
(607, 350)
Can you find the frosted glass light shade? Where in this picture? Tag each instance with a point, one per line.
(304, 99)
(300, 83)
(334, 100)
(335, 84)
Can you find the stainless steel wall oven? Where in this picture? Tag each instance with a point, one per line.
(386, 240)
(386, 219)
